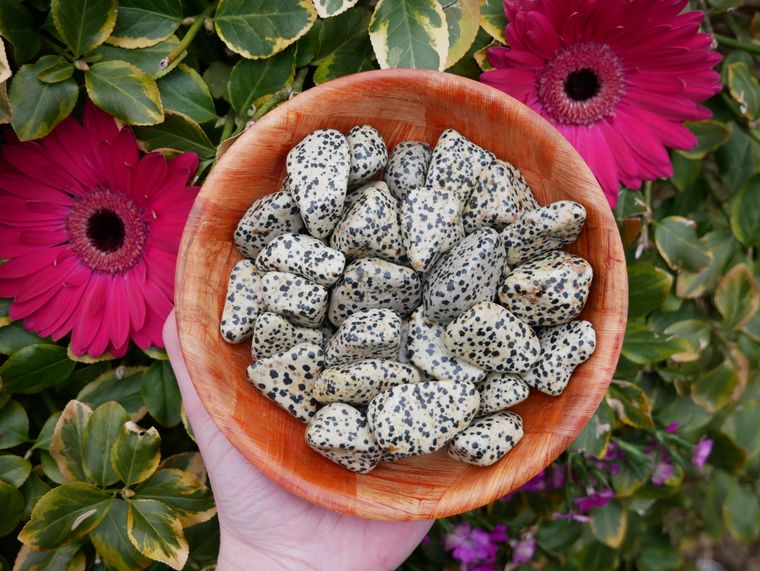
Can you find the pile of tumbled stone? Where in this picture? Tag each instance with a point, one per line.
(401, 315)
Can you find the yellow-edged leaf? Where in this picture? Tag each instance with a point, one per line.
(493, 19)
(183, 491)
(112, 542)
(66, 444)
(125, 91)
(463, 22)
(156, 531)
(83, 24)
(330, 8)
(136, 453)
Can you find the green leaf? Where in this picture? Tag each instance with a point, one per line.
(65, 513)
(32, 490)
(469, 65)
(186, 461)
(745, 222)
(738, 160)
(344, 46)
(558, 535)
(125, 91)
(156, 531)
(161, 393)
(632, 474)
(147, 59)
(741, 512)
(14, 425)
(741, 426)
(657, 554)
(14, 469)
(34, 368)
(643, 345)
(14, 337)
(744, 88)
(252, 81)
(710, 136)
(59, 70)
(17, 26)
(121, 385)
(37, 107)
(631, 403)
(217, 76)
(737, 297)
(727, 454)
(183, 491)
(46, 432)
(184, 91)
(598, 557)
(99, 436)
(648, 286)
(144, 23)
(694, 284)
(50, 468)
(714, 389)
(83, 24)
(410, 33)
(136, 453)
(696, 332)
(13, 508)
(685, 171)
(630, 204)
(463, 23)
(493, 19)
(66, 558)
(330, 8)
(261, 28)
(716, 490)
(204, 544)
(178, 132)
(66, 444)
(609, 522)
(112, 542)
(595, 437)
(677, 242)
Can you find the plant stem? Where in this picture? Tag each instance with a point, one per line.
(49, 402)
(732, 43)
(282, 95)
(646, 220)
(229, 125)
(188, 37)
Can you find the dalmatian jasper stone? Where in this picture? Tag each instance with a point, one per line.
(427, 352)
(303, 256)
(431, 224)
(340, 433)
(360, 382)
(318, 169)
(501, 195)
(374, 333)
(466, 274)
(456, 165)
(407, 167)
(487, 440)
(372, 283)
(563, 348)
(370, 227)
(301, 301)
(243, 303)
(500, 391)
(274, 334)
(409, 420)
(549, 290)
(287, 378)
(539, 231)
(368, 153)
(491, 337)
(268, 217)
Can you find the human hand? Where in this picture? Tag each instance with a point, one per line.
(263, 526)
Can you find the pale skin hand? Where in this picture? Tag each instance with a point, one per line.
(265, 527)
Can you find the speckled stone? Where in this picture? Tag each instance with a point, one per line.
(407, 167)
(340, 433)
(549, 290)
(368, 153)
(487, 440)
(456, 165)
(268, 217)
(318, 169)
(491, 337)
(563, 348)
(243, 303)
(303, 256)
(466, 274)
(409, 420)
(274, 334)
(373, 333)
(427, 352)
(370, 227)
(372, 283)
(360, 382)
(287, 378)
(500, 391)
(431, 223)
(501, 195)
(539, 231)
(303, 302)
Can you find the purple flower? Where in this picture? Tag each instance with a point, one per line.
(595, 500)
(470, 545)
(537, 484)
(487, 566)
(557, 477)
(499, 533)
(701, 452)
(426, 540)
(523, 550)
(672, 427)
(572, 516)
(663, 470)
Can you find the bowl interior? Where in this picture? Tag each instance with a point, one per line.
(402, 105)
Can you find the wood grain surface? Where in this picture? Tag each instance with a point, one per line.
(402, 105)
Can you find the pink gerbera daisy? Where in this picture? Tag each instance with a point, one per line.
(91, 229)
(616, 77)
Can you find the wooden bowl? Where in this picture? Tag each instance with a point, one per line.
(402, 105)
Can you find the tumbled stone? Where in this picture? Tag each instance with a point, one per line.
(268, 217)
(372, 283)
(491, 337)
(425, 349)
(340, 433)
(360, 382)
(408, 420)
(407, 167)
(487, 440)
(500, 197)
(539, 231)
(549, 290)
(563, 348)
(431, 224)
(274, 334)
(303, 302)
(368, 153)
(374, 333)
(303, 256)
(466, 274)
(243, 302)
(456, 164)
(501, 390)
(318, 169)
(287, 378)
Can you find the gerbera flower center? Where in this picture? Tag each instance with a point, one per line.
(107, 231)
(581, 84)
